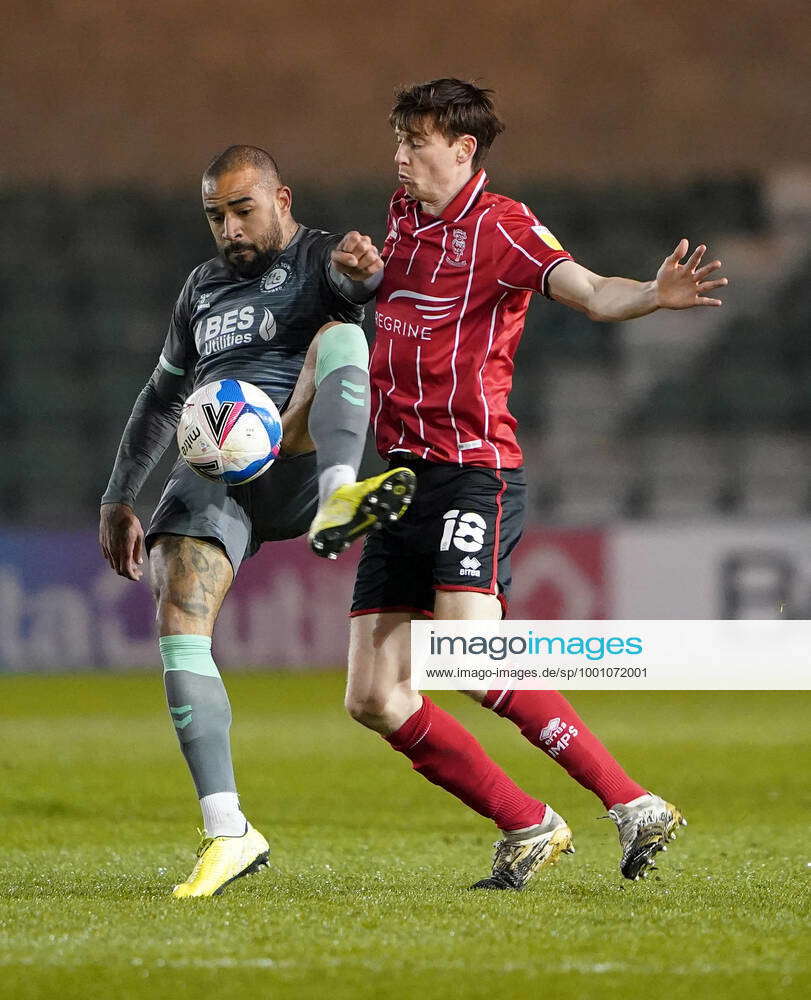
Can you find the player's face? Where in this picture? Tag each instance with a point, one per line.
(430, 166)
(247, 213)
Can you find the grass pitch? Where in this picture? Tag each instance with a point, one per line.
(366, 895)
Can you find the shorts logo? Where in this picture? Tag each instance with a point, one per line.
(273, 280)
(458, 247)
(465, 531)
(469, 566)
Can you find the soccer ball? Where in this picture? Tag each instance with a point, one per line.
(229, 432)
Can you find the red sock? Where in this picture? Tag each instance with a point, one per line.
(548, 721)
(444, 752)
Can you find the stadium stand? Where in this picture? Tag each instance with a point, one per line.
(677, 416)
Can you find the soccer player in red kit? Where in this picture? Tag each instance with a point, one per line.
(460, 266)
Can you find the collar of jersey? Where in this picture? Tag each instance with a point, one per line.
(274, 263)
(458, 207)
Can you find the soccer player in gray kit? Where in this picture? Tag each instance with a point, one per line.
(280, 307)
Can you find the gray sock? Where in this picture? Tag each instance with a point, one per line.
(202, 717)
(339, 418)
(200, 712)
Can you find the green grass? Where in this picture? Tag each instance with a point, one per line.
(366, 896)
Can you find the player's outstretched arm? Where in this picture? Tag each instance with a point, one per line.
(679, 284)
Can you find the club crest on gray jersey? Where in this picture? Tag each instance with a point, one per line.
(257, 330)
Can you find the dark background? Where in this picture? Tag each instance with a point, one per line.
(629, 125)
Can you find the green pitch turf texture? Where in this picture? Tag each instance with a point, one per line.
(366, 896)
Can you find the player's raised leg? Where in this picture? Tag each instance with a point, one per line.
(338, 422)
(191, 577)
(443, 751)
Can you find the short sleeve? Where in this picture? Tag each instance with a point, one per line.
(179, 353)
(525, 251)
(392, 221)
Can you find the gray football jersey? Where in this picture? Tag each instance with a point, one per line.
(259, 329)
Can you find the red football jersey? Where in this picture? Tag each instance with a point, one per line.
(450, 313)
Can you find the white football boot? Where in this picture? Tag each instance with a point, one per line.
(519, 855)
(645, 825)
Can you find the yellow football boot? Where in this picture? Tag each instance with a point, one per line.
(354, 509)
(222, 860)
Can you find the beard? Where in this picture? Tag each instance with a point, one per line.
(259, 255)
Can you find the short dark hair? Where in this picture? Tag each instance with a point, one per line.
(240, 157)
(456, 108)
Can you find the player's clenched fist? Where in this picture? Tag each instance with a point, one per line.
(356, 257)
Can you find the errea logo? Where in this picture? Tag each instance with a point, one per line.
(556, 735)
(469, 566)
(203, 303)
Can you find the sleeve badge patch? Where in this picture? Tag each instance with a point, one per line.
(546, 237)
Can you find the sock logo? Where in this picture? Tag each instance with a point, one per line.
(353, 387)
(558, 732)
(181, 716)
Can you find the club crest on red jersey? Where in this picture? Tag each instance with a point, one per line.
(458, 246)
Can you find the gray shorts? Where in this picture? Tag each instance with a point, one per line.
(280, 504)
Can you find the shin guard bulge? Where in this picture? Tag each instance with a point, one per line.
(445, 753)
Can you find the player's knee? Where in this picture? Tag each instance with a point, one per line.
(369, 707)
(383, 708)
(340, 345)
